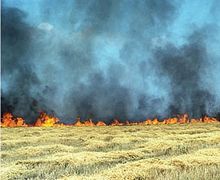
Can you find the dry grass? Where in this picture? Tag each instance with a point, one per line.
(188, 151)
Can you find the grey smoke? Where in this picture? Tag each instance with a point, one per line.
(106, 59)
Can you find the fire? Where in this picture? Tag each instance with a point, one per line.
(155, 121)
(78, 123)
(89, 123)
(45, 120)
(183, 119)
(100, 123)
(194, 120)
(116, 123)
(148, 122)
(172, 120)
(20, 122)
(209, 119)
(9, 121)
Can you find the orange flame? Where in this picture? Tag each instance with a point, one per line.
(9, 121)
(209, 119)
(116, 123)
(148, 122)
(78, 123)
(89, 123)
(45, 120)
(183, 119)
(172, 120)
(100, 123)
(155, 121)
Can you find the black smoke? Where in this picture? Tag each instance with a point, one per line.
(183, 66)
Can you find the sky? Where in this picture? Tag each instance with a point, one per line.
(114, 58)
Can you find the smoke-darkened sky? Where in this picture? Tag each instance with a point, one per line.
(129, 59)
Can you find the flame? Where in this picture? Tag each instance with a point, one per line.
(172, 120)
(45, 120)
(100, 123)
(183, 119)
(116, 123)
(89, 123)
(209, 119)
(194, 120)
(9, 121)
(20, 122)
(133, 123)
(78, 123)
(148, 122)
(155, 121)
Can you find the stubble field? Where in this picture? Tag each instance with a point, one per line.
(179, 151)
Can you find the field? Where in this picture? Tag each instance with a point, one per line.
(178, 151)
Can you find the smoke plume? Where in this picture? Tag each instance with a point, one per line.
(104, 59)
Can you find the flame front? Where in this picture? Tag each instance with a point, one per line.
(45, 120)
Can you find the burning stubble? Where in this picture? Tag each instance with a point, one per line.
(45, 120)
